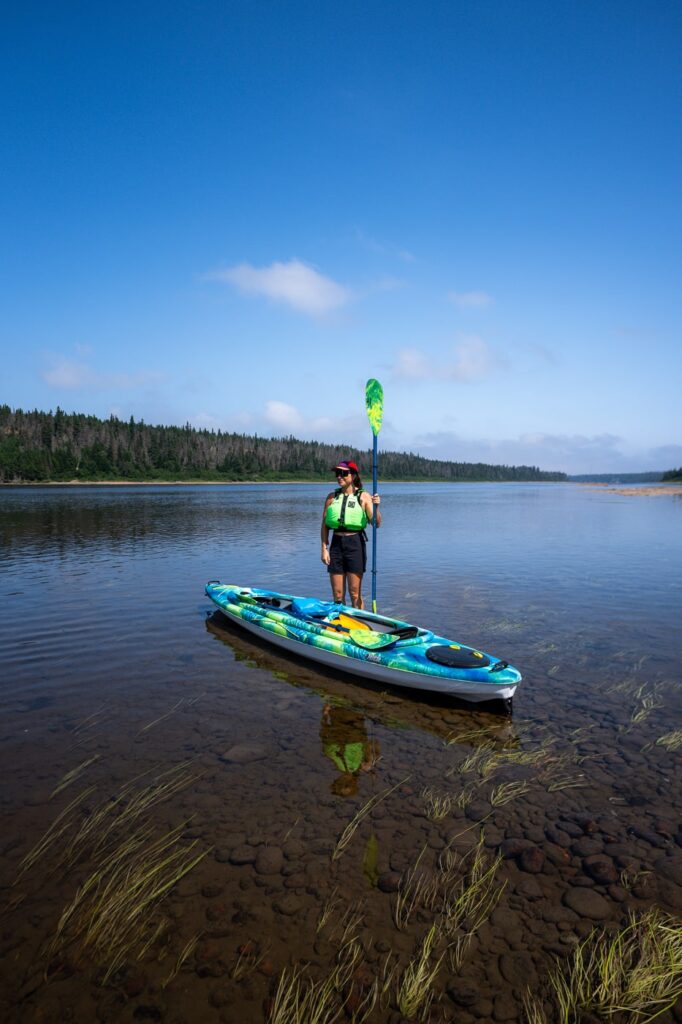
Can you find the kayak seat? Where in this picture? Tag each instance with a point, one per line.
(269, 602)
(312, 608)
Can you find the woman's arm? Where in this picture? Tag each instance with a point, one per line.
(369, 505)
(324, 531)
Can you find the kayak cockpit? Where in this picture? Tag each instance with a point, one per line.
(337, 619)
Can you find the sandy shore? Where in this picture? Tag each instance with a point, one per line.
(651, 490)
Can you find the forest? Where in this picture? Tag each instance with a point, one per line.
(58, 446)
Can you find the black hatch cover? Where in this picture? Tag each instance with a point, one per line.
(456, 657)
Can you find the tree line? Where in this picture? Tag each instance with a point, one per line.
(672, 474)
(57, 446)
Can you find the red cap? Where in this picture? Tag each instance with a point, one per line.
(346, 464)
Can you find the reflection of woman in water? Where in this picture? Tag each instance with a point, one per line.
(346, 744)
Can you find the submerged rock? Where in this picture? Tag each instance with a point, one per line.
(244, 753)
(269, 860)
(587, 903)
(601, 868)
(389, 881)
(532, 860)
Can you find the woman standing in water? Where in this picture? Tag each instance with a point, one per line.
(347, 511)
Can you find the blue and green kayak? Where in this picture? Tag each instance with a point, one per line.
(364, 644)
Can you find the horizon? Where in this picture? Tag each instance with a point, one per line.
(234, 217)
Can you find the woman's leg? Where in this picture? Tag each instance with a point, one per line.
(355, 589)
(338, 582)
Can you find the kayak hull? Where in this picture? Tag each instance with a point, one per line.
(272, 617)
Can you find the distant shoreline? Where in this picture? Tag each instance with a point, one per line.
(240, 483)
(651, 490)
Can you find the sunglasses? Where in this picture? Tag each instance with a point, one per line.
(343, 472)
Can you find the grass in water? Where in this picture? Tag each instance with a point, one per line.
(629, 878)
(182, 959)
(671, 740)
(74, 774)
(128, 869)
(468, 901)
(481, 755)
(507, 791)
(162, 718)
(636, 972)
(301, 1000)
(647, 701)
(248, 961)
(329, 909)
(413, 891)
(102, 825)
(566, 782)
(465, 796)
(59, 827)
(115, 909)
(350, 829)
(437, 806)
(415, 987)
(463, 892)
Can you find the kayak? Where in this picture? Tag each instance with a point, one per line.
(374, 647)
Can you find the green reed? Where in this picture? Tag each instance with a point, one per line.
(351, 828)
(415, 992)
(636, 972)
(113, 911)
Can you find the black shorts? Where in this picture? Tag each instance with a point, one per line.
(347, 553)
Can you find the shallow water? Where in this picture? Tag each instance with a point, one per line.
(116, 673)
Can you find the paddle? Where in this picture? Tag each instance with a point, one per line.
(371, 641)
(374, 400)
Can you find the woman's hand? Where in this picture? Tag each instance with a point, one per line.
(325, 554)
(376, 500)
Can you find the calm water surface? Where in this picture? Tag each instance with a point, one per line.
(133, 717)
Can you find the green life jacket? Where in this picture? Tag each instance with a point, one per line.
(347, 760)
(346, 512)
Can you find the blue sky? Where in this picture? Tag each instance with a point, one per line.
(233, 214)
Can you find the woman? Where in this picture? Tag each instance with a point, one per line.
(347, 511)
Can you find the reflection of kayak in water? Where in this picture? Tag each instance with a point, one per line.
(371, 646)
(436, 714)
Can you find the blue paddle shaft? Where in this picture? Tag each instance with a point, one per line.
(374, 528)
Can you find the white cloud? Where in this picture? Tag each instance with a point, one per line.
(283, 416)
(294, 283)
(69, 375)
(473, 360)
(470, 300)
(411, 364)
(383, 248)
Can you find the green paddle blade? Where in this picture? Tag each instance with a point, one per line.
(374, 399)
(371, 641)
